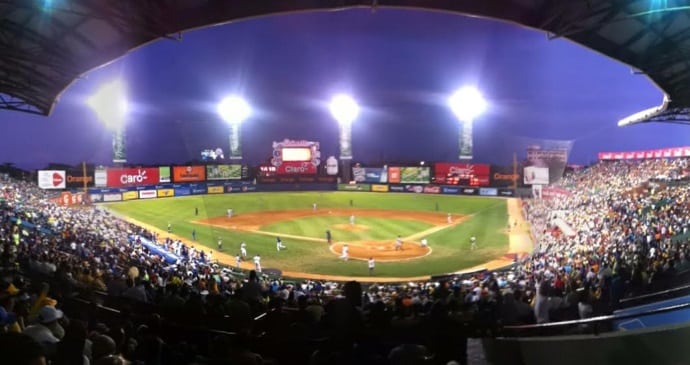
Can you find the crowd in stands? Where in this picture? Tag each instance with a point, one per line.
(628, 237)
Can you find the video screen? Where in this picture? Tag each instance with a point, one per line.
(296, 154)
(212, 154)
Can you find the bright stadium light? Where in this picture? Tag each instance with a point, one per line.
(344, 109)
(234, 109)
(110, 104)
(467, 104)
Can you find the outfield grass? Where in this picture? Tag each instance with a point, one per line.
(450, 246)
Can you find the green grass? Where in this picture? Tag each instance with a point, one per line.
(450, 246)
(378, 228)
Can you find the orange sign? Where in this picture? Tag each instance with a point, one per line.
(394, 175)
(189, 173)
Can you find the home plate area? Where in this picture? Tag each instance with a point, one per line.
(380, 250)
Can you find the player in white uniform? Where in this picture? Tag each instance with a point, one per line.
(345, 255)
(371, 265)
(238, 261)
(257, 263)
(398, 244)
(314, 207)
(279, 244)
(352, 220)
(243, 249)
(220, 244)
(424, 242)
(473, 243)
(450, 218)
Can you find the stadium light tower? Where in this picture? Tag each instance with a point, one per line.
(234, 110)
(467, 104)
(345, 110)
(110, 105)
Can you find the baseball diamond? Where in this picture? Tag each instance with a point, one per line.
(260, 218)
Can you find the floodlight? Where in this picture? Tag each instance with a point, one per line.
(110, 104)
(344, 109)
(467, 103)
(234, 110)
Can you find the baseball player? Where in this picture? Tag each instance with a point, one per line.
(257, 263)
(473, 243)
(169, 227)
(328, 236)
(220, 244)
(424, 242)
(314, 207)
(345, 255)
(238, 261)
(193, 234)
(450, 218)
(243, 249)
(398, 244)
(371, 265)
(279, 244)
(352, 220)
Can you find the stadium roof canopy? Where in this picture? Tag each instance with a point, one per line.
(47, 44)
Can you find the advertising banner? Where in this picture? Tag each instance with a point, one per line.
(396, 188)
(100, 177)
(465, 141)
(345, 141)
(96, 198)
(130, 195)
(354, 187)
(536, 175)
(147, 194)
(112, 197)
(672, 152)
(379, 188)
(370, 175)
(235, 152)
(415, 175)
(296, 179)
(52, 179)
(75, 178)
(164, 174)
(551, 193)
(240, 189)
(297, 168)
(182, 191)
(224, 172)
(189, 173)
(488, 191)
(216, 190)
(554, 160)
(414, 189)
(469, 191)
(132, 177)
(504, 176)
(456, 173)
(67, 199)
(198, 189)
(506, 192)
(450, 190)
(119, 146)
(165, 193)
(432, 189)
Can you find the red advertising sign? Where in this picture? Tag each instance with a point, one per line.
(118, 178)
(296, 168)
(394, 175)
(189, 173)
(462, 173)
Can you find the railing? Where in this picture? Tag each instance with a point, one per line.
(594, 325)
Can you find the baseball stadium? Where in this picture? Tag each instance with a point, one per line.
(344, 182)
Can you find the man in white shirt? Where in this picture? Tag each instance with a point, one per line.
(345, 255)
(243, 249)
(238, 261)
(424, 242)
(279, 244)
(257, 263)
(352, 220)
(371, 264)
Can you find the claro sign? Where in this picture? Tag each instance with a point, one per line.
(118, 178)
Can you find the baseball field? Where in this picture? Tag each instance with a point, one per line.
(368, 223)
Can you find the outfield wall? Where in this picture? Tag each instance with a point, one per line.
(108, 195)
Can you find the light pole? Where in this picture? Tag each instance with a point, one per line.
(467, 104)
(234, 110)
(110, 105)
(345, 110)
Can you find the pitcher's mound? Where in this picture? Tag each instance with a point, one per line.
(351, 227)
(381, 250)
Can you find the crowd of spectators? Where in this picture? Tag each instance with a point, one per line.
(626, 239)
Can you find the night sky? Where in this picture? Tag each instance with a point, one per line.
(400, 65)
